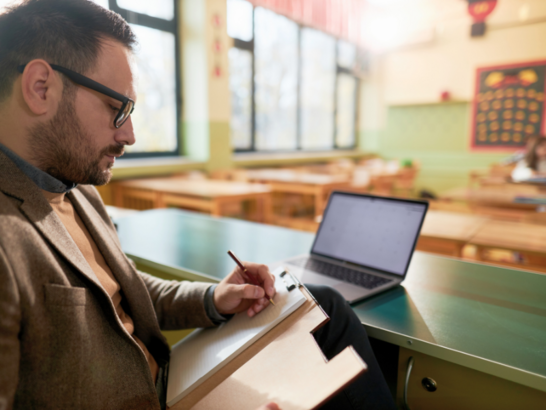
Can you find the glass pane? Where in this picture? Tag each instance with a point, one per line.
(239, 19)
(346, 110)
(163, 9)
(240, 84)
(276, 77)
(346, 54)
(318, 77)
(154, 118)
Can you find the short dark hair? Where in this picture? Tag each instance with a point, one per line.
(68, 33)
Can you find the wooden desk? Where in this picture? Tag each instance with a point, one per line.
(503, 196)
(447, 233)
(294, 182)
(527, 239)
(203, 194)
(477, 330)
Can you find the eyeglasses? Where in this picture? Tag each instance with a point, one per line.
(128, 104)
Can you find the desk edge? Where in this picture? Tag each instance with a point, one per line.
(519, 376)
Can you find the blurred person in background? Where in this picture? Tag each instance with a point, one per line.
(520, 154)
(534, 162)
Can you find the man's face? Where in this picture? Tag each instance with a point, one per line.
(80, 143)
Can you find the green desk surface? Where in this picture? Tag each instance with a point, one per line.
(487, 318)
(194, 246)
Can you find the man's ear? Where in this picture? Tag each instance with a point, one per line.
(41, 88)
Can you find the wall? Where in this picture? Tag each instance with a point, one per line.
(400, 114)
(206, 107)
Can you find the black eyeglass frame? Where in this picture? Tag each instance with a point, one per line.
(95, 86)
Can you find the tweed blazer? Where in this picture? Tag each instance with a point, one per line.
(62, 345)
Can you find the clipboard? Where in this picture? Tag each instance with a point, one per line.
(286, 365)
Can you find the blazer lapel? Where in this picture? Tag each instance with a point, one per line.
(134, 290)
(102, 235)
(35, 207)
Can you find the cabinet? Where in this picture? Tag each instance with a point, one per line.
(459, 387)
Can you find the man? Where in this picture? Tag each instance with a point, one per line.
(79, 326)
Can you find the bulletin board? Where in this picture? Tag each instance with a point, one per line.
(508, 105)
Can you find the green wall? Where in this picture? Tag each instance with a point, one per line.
(436, 135)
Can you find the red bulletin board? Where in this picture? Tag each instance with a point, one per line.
(508, 106)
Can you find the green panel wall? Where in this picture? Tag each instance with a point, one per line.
(436, 135)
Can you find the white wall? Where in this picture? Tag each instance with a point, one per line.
(448, 61)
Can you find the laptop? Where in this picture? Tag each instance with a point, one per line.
(363, 246)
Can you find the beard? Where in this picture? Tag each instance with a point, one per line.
(64, 150)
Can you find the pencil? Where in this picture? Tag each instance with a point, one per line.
(247, 274)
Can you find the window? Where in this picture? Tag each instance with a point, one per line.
(156, 116)
(318, 83)
(240, 84)
(292, 87)
(276, 81)
(346, 95)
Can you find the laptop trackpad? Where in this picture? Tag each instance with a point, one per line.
(308, 277)
(351, 292)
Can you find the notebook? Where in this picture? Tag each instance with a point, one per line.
(205, 351)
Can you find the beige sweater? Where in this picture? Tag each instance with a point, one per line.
(83, 239)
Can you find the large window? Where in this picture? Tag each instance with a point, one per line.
(157, 109)
(292, 87)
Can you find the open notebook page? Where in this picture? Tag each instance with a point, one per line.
(205, 351)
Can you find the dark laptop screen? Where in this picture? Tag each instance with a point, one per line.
(375, 232)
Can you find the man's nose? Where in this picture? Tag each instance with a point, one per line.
(125, 135)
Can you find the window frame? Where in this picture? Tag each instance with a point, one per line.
(170, 26)
(249, 46)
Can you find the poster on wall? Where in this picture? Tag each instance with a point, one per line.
(508, 106)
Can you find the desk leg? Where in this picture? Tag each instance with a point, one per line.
(118, 195)
(481, 253)
(159, 200)
(319, 201)
(267, 208)
(458, 252)
(216, 209)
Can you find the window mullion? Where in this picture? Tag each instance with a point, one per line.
(357, 103)
(253, 88)
(298, 96)
(335, 130)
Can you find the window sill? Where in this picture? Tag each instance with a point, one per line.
(285, 158)
(143, 167)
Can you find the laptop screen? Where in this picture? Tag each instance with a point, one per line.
(375, 232)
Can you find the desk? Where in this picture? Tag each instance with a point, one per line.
(294, 182)
(203, 194)
(447, 233)
(527, 239)
(502, 196)
(488, 321)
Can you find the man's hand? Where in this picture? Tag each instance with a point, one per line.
(235, 293)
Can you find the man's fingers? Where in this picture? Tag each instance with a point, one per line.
(265, 275)
(247, 291)
(257, 306)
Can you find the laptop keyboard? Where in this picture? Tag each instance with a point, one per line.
(339, 272)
